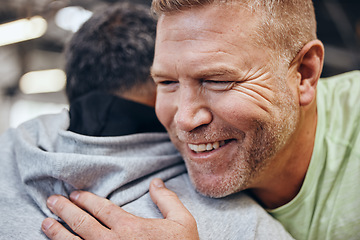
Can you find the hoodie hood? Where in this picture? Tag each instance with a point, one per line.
(52, 160)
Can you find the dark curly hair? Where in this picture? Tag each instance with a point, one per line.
(112, 51)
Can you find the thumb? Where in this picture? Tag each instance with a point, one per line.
(168, 203)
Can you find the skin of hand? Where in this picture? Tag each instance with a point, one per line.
(105, 220)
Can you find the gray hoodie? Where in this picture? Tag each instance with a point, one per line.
(41, 158)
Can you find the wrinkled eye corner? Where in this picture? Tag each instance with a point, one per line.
(218, 85)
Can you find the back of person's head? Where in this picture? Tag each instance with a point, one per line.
(285, 25)
(112, 52)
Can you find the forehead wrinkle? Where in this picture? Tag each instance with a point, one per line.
(216, 51)
(196, 33)
(193, 38)
(198, 29)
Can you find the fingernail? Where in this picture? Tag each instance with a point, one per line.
(74, 195)
(51, 201)
(47, 223)
(157, 182)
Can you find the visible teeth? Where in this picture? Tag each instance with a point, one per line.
(202, 147)
(206, 147)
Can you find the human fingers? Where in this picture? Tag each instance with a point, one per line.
(77, 219)
(101, 208)
(170, 205)
(55, 231)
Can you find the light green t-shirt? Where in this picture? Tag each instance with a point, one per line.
(328, 204)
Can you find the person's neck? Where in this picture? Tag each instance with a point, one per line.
(143, 95)
(283, 184)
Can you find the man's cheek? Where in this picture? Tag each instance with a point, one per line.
(164, 114)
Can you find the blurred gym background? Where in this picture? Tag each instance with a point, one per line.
(33, 34)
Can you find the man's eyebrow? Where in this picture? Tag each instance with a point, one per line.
(216, 73)
(203, 74)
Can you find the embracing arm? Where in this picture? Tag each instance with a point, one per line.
(116, 223)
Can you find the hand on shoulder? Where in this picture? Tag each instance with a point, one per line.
(93, 217)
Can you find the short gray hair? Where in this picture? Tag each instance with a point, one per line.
(292, 23)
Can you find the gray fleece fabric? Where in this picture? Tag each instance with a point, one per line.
(41, 158)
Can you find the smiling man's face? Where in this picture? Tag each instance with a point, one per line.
(226, 110)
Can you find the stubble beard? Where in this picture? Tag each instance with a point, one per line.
(249, 162)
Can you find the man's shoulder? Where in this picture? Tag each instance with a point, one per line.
(341, 91)
(339, 116)
(339, 104)
(237, 215)
(344, 78)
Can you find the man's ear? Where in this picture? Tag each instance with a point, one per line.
(309, 63)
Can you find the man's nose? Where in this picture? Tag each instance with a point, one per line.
(192, 110)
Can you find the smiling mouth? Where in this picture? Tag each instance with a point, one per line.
(207, 147)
